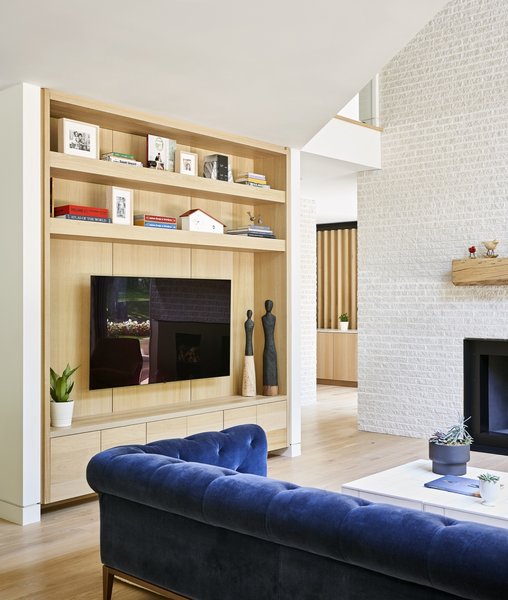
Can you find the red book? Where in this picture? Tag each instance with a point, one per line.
(76, 209)
(155, 218)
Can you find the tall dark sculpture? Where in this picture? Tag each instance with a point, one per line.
(249, 371)
(249, 327)
(270, 380)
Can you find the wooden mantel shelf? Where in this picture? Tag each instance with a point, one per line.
(480, 271)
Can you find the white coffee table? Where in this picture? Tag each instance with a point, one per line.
(403, 486)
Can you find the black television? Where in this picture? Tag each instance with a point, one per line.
(158, 329)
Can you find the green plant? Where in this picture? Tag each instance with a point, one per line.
(457, 435)
(490, 477)
(60, 387)
(344, 318)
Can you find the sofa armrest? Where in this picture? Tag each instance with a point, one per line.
(242, 448)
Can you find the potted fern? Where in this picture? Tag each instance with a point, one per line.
(450, 450)
(344, 321)
(61, 405)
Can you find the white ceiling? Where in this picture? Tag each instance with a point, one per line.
(276, 70)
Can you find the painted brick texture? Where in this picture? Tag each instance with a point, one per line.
(443, 187)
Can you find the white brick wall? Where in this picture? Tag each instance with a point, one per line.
(308, 300)
(443, 187)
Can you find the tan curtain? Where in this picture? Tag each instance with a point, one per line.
(336, 277)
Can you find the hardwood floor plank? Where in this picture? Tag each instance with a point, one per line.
(58, 558)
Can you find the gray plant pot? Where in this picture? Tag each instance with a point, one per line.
(449, 460)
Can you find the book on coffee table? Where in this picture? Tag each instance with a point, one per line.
(456, 484)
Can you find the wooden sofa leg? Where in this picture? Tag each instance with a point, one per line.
(107, 583)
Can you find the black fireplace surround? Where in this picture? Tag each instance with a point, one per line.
(486, 393)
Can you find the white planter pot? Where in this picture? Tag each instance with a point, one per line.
(344, 325)
(61, 413)
(489, 491)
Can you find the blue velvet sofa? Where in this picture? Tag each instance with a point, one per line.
(198, 518)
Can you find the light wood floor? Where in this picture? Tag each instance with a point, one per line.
(58, 559)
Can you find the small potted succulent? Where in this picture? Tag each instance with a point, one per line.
(450, 450)
(61, 405)
(344, 321)
(490, 488)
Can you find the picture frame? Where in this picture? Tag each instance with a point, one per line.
(186, 163)
(121, 206)
(161, 152)
(78, 138)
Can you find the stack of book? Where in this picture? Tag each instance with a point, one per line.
(158, 221)
(123, 159)
(261, 231)
(254, 179)
(77, 212)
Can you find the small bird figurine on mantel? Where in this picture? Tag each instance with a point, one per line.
(491, 247)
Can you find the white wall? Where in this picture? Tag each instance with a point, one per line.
(443, 187)
(341, 206)
(352, 108)
(20, 304)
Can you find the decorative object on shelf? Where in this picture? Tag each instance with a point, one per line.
(121, 158)
(78, 139)
(255, 220)
(199, 220)
(490, 488)
(155, 221)
(121, 206)
(61, 405)
(450, 450)
(249, 371)
(161, 153)
(186, 163)
(216, 166)
(270, 377)
(472, 251)
(491, 248)
(344, 322)
(253, 179)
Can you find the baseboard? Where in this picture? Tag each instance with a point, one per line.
(21, 515)
(353, 384)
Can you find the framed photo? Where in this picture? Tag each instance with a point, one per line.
(78, 139)
(161, 153)
(186, 162)
(121, 206)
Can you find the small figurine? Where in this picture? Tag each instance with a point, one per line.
(491, 247)
(472, 251)
(255, 219)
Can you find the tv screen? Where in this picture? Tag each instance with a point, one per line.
(158, 329)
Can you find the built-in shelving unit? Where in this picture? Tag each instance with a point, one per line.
(480, 271)
(74, 250)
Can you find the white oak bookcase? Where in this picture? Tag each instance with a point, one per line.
(74, 250)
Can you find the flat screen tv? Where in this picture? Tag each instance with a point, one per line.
(157, 329)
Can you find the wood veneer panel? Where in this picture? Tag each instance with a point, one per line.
(166, 429)
(72, 262)
(345, 356)
(325, 358)
(120, 436)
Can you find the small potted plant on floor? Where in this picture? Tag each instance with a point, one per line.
(344, 321)
(450, 450)
(490, 488)
(61, 405)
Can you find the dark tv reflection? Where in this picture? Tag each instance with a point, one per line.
(152, 330)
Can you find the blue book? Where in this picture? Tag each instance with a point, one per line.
(456, 484)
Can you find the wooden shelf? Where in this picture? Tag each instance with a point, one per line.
(480, 271)
(126, 234)
(84, 425)
(75, 168)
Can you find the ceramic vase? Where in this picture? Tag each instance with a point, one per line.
(489, 491)
(61, 413)
(344, 325)
(449, 460)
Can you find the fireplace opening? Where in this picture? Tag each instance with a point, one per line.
(486, 393)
